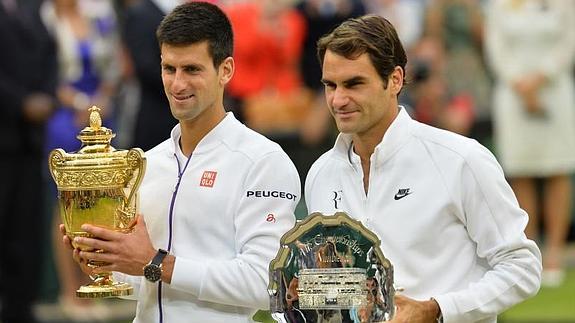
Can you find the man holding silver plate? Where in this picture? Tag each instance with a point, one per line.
(447, 219)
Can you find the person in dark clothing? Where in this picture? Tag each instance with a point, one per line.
(28, 71)
(154, 121)
(322, 17)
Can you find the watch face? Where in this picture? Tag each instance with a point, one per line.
(152, 272)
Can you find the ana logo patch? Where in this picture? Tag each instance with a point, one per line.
(208, 178)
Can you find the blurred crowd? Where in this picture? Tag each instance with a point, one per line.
(499, 71)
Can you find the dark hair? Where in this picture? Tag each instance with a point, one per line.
(369, 34)
(195, 22)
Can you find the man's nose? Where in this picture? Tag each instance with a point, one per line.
(340, 98)
(179, 82)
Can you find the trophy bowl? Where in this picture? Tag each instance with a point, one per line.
(97, 185)
(330, 268)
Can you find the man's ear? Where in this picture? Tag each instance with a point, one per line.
(396, 80)
(226, 70)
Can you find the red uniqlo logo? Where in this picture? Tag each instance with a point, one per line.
(208, 178)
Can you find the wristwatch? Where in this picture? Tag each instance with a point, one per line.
(153, 270)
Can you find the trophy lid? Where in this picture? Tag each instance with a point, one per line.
(97, 165)
(95, 134)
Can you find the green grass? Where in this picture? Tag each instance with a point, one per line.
(549, 305)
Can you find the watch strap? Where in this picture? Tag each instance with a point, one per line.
(159, 257)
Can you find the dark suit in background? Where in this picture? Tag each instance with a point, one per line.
(28, 70)
(155, 121)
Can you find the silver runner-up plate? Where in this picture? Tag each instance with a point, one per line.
(330, 268)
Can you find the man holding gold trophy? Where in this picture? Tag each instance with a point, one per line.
(215, 198)
(447, 219)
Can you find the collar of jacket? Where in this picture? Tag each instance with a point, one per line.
(211, 140)
(394, 138)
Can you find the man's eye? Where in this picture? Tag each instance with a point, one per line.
(191, 69)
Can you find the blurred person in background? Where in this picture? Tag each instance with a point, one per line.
(88, 50)
(140, 20)
(267, 89)
(427, 92)
(268, 44)
(321, 17)
(406, 15)
(28, 74)
(458, 26)
(531, 48)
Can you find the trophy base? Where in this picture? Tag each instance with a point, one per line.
(115, 289)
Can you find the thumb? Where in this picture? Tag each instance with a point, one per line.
(140, 223)
(399, 300)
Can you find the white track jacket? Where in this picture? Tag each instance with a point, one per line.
(447, 219)
(223, 223)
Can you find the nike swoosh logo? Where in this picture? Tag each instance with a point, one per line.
(399, 196)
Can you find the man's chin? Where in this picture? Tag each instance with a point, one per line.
(179, 112)
(345, 128)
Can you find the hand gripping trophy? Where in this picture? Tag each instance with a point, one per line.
(98, 185)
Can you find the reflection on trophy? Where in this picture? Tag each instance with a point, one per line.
(98, 185)
(331, 269)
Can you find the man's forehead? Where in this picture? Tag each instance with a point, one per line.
(192, 54)
(341, 67)
(179, 49)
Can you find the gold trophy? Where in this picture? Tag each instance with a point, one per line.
(98, 185)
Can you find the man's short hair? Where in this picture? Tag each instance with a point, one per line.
(369, 34)
(194, 22)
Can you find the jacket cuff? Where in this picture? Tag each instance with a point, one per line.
(188, 275)
(447, 308)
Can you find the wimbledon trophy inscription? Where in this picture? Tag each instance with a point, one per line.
(330, 268)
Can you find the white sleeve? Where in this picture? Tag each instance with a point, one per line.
(242, 281)
(496, 223)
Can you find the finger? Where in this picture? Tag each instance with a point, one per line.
(83, 263)
(67, 242)
(400, 300)
(104, 269)
(62, 228)
(102, 233)
(140, 223)
(93, 244)
(97, 256)
(77, 258)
